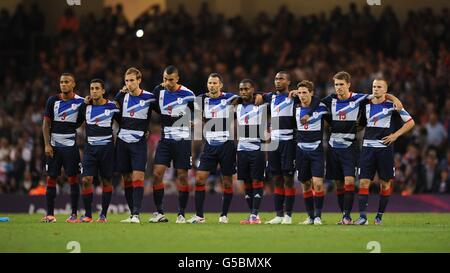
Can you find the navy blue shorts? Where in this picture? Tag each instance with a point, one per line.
(66, 157)
(310, 163)
(341, 162)
(251, 165)
(178, 151)
(131, 156)
(281, 161)
(224, 154)
(380, 160)
(98, 159)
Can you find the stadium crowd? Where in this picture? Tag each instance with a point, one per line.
(413, 55)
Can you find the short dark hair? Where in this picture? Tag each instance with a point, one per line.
(249, 81)
(171, 70)
(216, 75)
(67, 74)
(285, 73)
(308, 84)
(134, 70)
(342, 75)
(100, 81)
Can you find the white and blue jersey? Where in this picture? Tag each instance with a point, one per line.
(218, 115)
(282, 115)
(99, 120)
(176, 109)
(64, 117)
(250, 122)
(135, 115)
(379, 122)
(344, 117)
(310, 134)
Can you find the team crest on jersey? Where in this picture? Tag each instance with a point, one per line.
(141, 103)
(107, 112)
(180, 101)
(315, 115)
(385, 111)
(223, 102)
(287, 100)
(352, 104)
(74, 106)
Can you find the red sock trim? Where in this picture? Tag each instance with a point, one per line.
(51, 182)
(87, 191)
(183, 188)
(158, 187)
(386, 192)
(138, 184)
(289, 191)
(73, 180)
(318, 193)
(258, 185)
(364, 191)
(200, 188)
(308, 194)
(349, 188)
(279, 190)
(227, 190)
(107, 188)
(127, 184)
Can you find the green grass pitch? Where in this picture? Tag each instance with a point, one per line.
(400, 232)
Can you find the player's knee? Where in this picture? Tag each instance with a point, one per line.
(318, 187)
(86, 182)
(157, 177)
(349, 180)
(385, 185)
(306, 185)
(364, 183)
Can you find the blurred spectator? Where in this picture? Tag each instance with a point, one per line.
(68, 22)
(436, 133)
(430, 183)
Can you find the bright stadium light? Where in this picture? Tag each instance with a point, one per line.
(139, 33)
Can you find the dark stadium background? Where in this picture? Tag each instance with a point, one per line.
(408, 42)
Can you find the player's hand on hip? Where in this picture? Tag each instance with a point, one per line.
(49, 150)
(388, 140)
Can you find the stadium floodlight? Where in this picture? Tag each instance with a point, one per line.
(139, 33)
